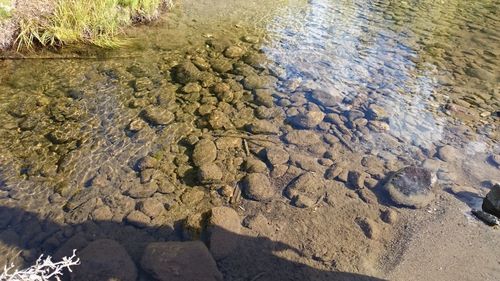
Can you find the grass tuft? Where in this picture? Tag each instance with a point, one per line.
(96, 22)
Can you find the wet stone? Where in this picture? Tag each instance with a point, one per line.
(263, 127)
(255, 60)
(250, 39)
(224, 227)
(257, 187)
(192, 196)
(147, 162)
(102, 213)
(306, 191)
(180, 261)
(209, 173)
(255, 82)
(138, 219)
(157, 116)
(221, 65)
(186, 72)
(329, 98)
(411, 186)
(142, 84)
(264, 97)
(204, 152)
(201, 63)
(143, 190)
(190, 88)
(302, 138)
(389, 216)
(377, 112)
(448, 153)
(491, 203)
(104, 260)
(234, 52)
(151, 207)
(308, 120)
(276, 155)
(136, 125)
(253, 165)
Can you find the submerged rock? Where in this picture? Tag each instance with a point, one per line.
(302, 138)
(204, 152)
(308, 120)
(209, 173)
(186, 72)
(180, 261)
(491, 203)
(224, 227)
(104, 259)
(306, 190)
(411, 186)
(330, 98)
(257, 186)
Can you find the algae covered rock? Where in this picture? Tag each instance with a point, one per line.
(412, 187)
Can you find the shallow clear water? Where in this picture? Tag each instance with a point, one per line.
(402, 78)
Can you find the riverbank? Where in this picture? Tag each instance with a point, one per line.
(52, 23)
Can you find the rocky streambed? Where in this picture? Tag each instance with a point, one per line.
(219, 161)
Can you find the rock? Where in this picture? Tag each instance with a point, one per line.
(180, 261)
(102, 213)
(201, 63)
(250, 39)
(389, 216)
(204, 152)
(209, 173)
(234, 52)
(104, 259)
(258, 187)
(308, 120)
(192, 87)
(276, 155)
(369, 227)
(143, 190)
(253, 165)
(264, 97)
(151, 207)
(186, 72)
(411, 186)
(330, 98)
(257, 222)
(448, 153)
(491, 203)
(255, 82)
(147, 162)
(306, 190)
(495, 159)
(487, 218)
(263, 127)
(142, 84)
(192, 196)
(377, 112)
(139, 219)
(356, 179)
(255, 60)
(302, 138)
(136, 125)
(157, 116)
(224, 228)
(221, 65)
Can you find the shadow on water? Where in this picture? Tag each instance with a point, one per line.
(252, 258)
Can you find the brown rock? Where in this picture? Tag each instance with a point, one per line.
(224, 227)
(180, 261)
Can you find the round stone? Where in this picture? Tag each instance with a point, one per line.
(258, 187)
(412, 187)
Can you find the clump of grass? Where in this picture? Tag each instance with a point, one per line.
(5, 9)
(96, 22)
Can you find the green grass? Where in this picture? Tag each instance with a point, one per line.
(5, 9)
(96, 22)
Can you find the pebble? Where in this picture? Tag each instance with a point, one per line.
(186, 72)
(234, 52)
(253, 165)
(143, 190)
(448, 153)
(192, 196)
(263, 127)
(205, 151)
(389, 216)
(157, 116)
(276, 155)
(302, 138)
